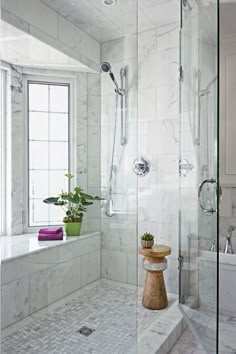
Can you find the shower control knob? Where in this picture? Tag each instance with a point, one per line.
(141, 166)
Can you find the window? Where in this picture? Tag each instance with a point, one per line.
(3, 152)
(48, 149)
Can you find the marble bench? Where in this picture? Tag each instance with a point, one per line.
(36, 274)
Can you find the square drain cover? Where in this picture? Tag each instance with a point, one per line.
(86, 331)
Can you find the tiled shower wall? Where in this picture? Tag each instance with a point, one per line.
(158, 140)
(119, 242)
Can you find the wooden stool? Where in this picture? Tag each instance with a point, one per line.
(154, 294)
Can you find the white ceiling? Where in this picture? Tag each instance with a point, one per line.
(20, 48)
(105, 23)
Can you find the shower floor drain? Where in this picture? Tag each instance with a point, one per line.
(86, 331)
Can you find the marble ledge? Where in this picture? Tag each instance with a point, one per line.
(13, 247)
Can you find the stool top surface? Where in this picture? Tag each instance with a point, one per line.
(157, 251)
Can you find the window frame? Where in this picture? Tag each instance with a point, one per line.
(47, 80)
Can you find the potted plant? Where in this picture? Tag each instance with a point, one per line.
(147, 240)
(74, 204)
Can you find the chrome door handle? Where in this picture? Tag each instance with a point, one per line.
(206, 181)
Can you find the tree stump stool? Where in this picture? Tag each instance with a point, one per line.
(154, 262)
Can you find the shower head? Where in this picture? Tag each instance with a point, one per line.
(106, 67)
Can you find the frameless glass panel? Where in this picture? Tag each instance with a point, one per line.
(199, 182)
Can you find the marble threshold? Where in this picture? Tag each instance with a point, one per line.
(13, 247)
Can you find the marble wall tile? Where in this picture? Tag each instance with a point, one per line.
(69, 251)
(90, 267)
(15, 301)
(54, 283)
(114, 265)
(23, 266)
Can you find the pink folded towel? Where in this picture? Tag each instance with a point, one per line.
(51, 237)
(52, 234)
(52, 231)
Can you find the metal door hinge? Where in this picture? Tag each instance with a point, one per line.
(181, 73)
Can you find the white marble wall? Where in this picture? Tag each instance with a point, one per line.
(88, 144)
(158, 140)
(119, 241)
(15, 150)
(37, 19)
(34, 281)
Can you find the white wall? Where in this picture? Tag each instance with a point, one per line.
(119, 241)
(153, 133)
(158, 140)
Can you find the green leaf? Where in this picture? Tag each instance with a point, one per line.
(84, 202)
(98, 198)
(51, 200)
(60, 203)
(86, 196)
(69, 175)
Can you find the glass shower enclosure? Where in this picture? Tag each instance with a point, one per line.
(198, 168)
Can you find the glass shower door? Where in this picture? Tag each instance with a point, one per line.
(198, 168)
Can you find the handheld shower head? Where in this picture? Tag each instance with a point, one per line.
(106, 68)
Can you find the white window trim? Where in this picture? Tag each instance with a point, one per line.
(71, 81)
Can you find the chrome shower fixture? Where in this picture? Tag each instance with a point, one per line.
(121, 95)
(106, 68)
(109, 2)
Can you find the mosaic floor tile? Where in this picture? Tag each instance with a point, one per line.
(113, 310)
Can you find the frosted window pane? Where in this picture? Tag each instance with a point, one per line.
(58, 182)
(56, 214)
(59, 156)
(38, 126)
(38, 97)
(39, 212)
(38, 155)
(39, 184)
(58, 98)
(58, 126)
